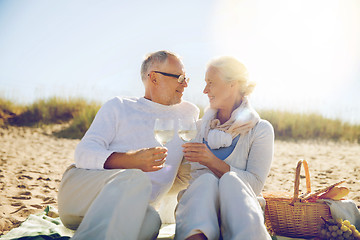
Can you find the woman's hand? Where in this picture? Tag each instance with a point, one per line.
(199, 152)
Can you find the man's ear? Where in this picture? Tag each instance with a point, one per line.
(152, 77)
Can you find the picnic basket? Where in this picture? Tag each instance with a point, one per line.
(292, 216)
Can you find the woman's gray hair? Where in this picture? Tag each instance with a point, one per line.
(154, 58)
(230, 69)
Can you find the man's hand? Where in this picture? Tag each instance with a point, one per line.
(146, 159)
(150, 159)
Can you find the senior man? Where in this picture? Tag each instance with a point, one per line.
(119, 176)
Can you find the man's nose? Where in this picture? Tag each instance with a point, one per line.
(184, 83)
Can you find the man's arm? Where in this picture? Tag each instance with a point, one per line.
(93, 149)
(147, 159)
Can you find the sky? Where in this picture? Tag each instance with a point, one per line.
(304, 55)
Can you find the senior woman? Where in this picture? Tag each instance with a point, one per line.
(230, 162)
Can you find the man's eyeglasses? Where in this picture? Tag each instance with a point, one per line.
(180, 78)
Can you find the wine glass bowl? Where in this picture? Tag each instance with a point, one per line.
(164, 130)
(187, 129)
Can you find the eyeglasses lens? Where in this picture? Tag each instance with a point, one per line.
(182, 79)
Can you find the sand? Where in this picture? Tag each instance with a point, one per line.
(32, 161)
(31, 165)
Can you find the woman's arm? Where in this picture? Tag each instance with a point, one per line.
(258, 162)
(260, 157)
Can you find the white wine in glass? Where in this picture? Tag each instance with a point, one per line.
(187, 129)
(164, 130)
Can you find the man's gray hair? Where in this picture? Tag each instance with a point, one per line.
(154, 58)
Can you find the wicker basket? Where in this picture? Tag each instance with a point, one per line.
(291, 217)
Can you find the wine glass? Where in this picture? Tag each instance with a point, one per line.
(164, 130)
(187, 129)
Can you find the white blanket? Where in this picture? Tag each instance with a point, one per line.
(344, 209)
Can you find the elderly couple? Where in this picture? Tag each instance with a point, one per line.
(115, 187)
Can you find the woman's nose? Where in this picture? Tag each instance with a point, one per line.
(206, 90)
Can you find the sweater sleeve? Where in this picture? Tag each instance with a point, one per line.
(93, 149)
(260, 157)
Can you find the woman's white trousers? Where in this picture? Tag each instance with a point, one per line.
(228, 205)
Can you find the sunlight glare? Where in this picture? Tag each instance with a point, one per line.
(299, 52)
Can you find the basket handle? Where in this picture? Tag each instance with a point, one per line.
(297, 180)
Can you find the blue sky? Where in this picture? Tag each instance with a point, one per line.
(304, 55)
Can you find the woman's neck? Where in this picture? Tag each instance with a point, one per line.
(224, 114)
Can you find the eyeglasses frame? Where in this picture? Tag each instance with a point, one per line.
(181, 78)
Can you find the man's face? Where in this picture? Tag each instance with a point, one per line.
(169, 90)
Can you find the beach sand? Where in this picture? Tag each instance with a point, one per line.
(32, 161)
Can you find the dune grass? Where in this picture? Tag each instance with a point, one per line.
(79, 113)
(299, 126)
(81, 122)
(53, 110)
(8, 110)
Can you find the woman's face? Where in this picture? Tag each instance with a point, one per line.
(220, 93)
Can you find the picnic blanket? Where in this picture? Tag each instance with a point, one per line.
(48, 226)
(45, 225)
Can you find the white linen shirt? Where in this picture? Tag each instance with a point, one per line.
(126, 124)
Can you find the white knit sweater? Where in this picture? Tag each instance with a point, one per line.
(251, 158)
(125, 124)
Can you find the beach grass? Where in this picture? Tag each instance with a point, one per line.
(81, 122)
(301, 126)
(8, 110)
(79, 113)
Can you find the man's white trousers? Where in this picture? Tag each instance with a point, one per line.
(108, 204)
